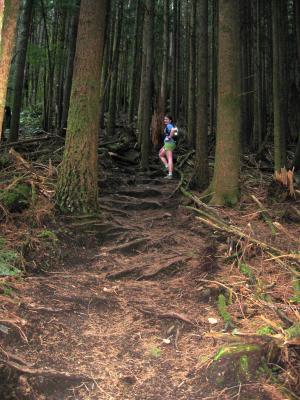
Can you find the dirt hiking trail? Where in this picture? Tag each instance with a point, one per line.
(125, 318)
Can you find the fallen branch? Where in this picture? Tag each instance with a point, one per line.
(170, 314)
(27, 141)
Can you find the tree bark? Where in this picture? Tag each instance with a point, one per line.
(225, 185)
(114, 76)
(10, 16)
(145, 92)
(201, 159)
(21, 51)
(192, 77)
(279, 92)
(70, 67)
(77, 187)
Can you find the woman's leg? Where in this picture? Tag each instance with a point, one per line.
(162, 156)
(170, 161)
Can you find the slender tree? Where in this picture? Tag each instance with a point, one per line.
(77, 187)
(10, 16)
(192, 76)
(201, 160)
(279, 97)
(72, 36)
(225, 184)
(115, 69)
(21, 50)
(145, 91)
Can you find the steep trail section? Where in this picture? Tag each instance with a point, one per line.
(129, 321)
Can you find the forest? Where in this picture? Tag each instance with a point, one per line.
(149, 199)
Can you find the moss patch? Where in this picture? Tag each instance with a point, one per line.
(237, 363)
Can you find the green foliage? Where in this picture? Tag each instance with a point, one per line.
(265, 330)
(48, 235)
(155, 352)
(4, 160)
(245, 270)
(296, 287)
(222, 307)
(30, 120)
(235, 349)
(244, 365)
(16, 198)
(293, 332)
(36, 55)
(8, 260)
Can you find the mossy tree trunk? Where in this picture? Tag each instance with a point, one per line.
(145, 91)
(21, 50)
(225, 185)
(77, 187)
(201, 161)
(10, 16)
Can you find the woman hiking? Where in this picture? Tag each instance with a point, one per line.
(166, 152)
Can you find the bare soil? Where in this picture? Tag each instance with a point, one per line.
(125, 314)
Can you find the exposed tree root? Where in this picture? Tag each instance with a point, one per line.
(48, 373)
(165, 267)
(129, 246)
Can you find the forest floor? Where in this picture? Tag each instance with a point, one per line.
(137, 303)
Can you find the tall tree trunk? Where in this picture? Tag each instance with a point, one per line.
(225, 185)
(21, 51)
(133, 93)
(258, 118)
(214, 65)
(114, 76)
(165, 44)
(246, 74)
(11, 11)
(296, 161)
(60, 70)
(145, 91)
(192, 77)
(201, 160)
(174, 71)
(279, 82)
(77, 187)
(70, 67)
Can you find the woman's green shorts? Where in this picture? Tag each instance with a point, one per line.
(169, 146)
